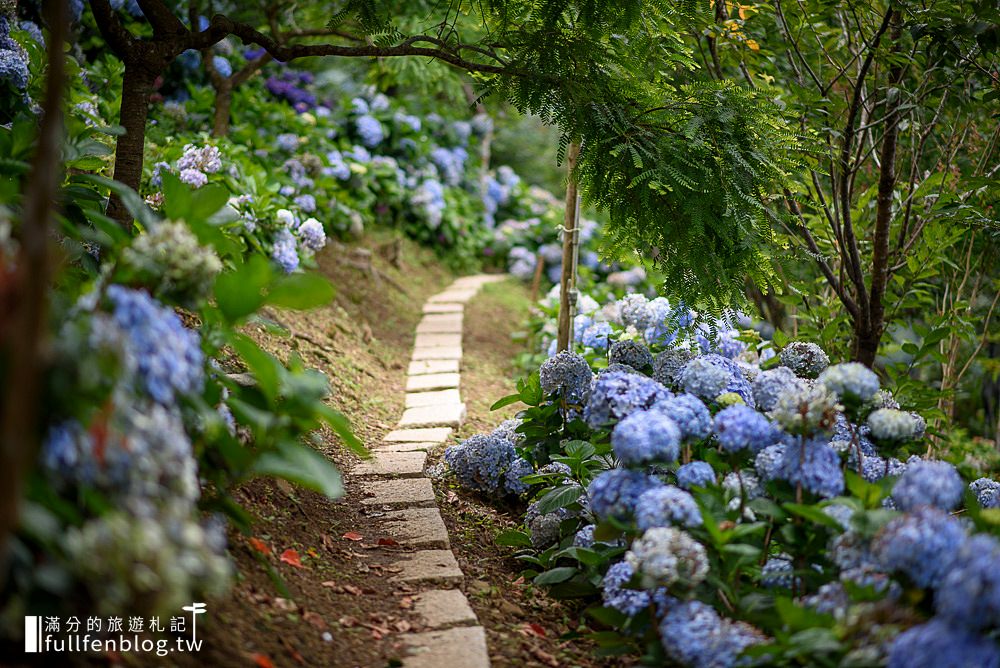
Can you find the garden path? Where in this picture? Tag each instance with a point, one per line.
(394, 480)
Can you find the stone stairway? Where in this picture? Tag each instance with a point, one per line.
(393, 480)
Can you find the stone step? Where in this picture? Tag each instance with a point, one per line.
(425, 367)
(443, 307)
(388, 463)
(437, 353)
(458, 295)
(437, 415)
(405, 447)
(441, 323)
(407, 492)
(417, 527)
(432, 381)
(439, 608)
(429, 435)
(433, 340)
(429, 567)
(462, 647)
(414, 399)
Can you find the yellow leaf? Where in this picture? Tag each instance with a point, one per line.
(754, 46)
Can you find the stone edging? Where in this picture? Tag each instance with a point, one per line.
(394, 479)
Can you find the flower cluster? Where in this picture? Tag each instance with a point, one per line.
(169, 260)
(483, 462)
(664, 556)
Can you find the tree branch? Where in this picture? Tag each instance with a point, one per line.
(114, 33)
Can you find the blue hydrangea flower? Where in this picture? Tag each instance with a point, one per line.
(482, 462)
(665, 506)
(645, 437)
(450, 163)
(519, 467)
(969, 593)
(740, 428)
(615, 395)
(710, 375)
(284, 250)
(895, 426)
(568, 374)
(618, 596)
(693, 634)
(938, 644)
(690, 414)
(930, 483)
(778, 572)
(668, 365)
(771, 384)
(13, 69)
(851, 381)
(369, 130)
(631, 353)
(614, 493)
(306, 202)
(596, 336)
(338, 168)
(840, 512)
(806, 359)
(768, 461)
(815, 465)
(632, 310)
(312, 234)
(987, 492)
(170, 361)
(922, 544)
(695, 474)
(193, 177)
(287, 141)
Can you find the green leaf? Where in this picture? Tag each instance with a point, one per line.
(513, 538)
(556, 575)
(342, 427)
(207, 201)
(301, 291)
(812, 513)
(130, 198)
(506, 401)
(177, 197)
(241, 292)
(263, 366)
(560, 497)
(302, 465)
(798, 618)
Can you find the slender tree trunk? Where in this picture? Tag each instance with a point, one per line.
(223, 105)
(136, 89)
(867, 343)
(567, 280)
(27, 343)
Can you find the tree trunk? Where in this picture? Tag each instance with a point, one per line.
(136, 89)
(26, 346)
(868, 344)
(568, 261)
(865, 345)
(223, 104)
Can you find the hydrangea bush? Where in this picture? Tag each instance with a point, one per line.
(739, 503)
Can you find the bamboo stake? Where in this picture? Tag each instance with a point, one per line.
(571, 245)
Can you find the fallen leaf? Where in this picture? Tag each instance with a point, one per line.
(403, 626)
(284, 604)
(390, 542)
(329, 583)
(347, 622)
(545, 657)
(294, 652)
(406, 603)
(353, 535)
(535, 629)
(292, 558)
(312, 552)
(261, 661)
(315, 619)
(327, 542)
(259, 545)
(351, 589)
